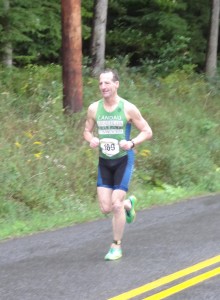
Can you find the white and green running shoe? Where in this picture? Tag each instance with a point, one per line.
(131, 214)
(113, 254)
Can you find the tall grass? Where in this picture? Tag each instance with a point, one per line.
(48, 172)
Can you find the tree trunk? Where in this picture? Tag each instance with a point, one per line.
(98, 36)
(72, 55)
(7, 45)
(211, 60)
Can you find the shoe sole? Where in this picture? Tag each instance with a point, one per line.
(111, 259)
(133, 202)
(110, 256)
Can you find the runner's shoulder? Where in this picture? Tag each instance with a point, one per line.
(129, 107)
(93, 107)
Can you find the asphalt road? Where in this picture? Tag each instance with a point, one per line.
(69, 264)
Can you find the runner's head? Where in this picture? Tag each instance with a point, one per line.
(108, 83)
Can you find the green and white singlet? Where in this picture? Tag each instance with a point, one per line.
(112, 128)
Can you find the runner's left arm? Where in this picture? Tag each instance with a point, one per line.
(145, 132)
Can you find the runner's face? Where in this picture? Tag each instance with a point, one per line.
(107, 86)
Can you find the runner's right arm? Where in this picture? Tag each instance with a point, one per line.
(89, 126)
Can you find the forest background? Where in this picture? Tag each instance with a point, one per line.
(48, 173)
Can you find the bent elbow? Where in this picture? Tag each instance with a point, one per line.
(149, 134)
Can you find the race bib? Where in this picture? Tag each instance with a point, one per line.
(109, 146)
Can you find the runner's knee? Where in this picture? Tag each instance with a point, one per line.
(105, 209)
(117, 206)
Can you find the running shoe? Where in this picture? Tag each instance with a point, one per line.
(113, 254)
(131, 214)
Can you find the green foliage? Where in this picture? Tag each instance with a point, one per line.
(87, 15)
(151, 30)
(186, 135)
(173, 56)
(49, 172)
(33, 28)
(147, 31)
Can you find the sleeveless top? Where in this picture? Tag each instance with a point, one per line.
(112, 128)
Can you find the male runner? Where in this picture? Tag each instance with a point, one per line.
(113, 117)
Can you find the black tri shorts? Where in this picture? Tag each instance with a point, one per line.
(116, 173)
